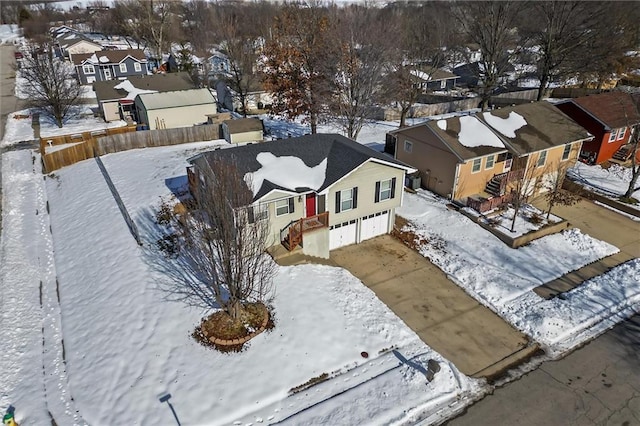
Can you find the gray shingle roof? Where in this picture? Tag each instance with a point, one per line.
(343, 156)
(159, 82)
(241, 125)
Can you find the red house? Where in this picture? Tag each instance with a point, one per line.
(609, 117)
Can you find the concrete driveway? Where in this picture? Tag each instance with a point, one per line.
(450, 321)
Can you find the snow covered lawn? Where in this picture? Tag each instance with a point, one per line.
(529, 219)
(502, 278)
(126, 344)
(19, 128)
(611, 182)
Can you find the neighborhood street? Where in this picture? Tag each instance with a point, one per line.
(598, 384)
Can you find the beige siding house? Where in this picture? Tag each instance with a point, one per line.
(476, 159)
(167, 110)
(319, 192)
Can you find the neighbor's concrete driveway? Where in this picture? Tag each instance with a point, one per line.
(450, 321)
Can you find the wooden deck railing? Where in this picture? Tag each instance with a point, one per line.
(485, 204)
(291, 235)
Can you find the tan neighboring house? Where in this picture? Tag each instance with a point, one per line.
(319, 192)
(477, 159)
(116, 97)
(243, 130)
(167, 110)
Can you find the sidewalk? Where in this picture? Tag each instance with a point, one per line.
(601, 223)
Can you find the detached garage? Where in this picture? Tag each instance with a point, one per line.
(167, 110)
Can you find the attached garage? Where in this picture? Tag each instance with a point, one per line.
(374, 225)
(343, 234)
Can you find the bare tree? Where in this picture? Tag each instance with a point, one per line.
(555, 195)
(297, 63)
(523, 186)
(222, 241)
(491, 25)
(561, 30)
(50, 85)
(364, 41)
(634, 148)
(424, 34)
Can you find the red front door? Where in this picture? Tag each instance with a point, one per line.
(311, 205)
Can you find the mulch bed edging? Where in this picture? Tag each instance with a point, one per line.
(241, 340)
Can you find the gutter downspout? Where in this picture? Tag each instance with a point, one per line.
(455, 182)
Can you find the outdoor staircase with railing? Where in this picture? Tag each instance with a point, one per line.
(291, 235)
(623, 153)
(494, 186)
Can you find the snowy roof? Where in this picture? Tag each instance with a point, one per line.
(435, 74)
(521, 130)
(312, 162)
(131, 90)
(107, 90)
(174, 99)
(111, 56)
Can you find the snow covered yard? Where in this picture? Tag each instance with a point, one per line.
(126, 343)
(529, 219)
(18, 127)
(611, 182)
(502, 278)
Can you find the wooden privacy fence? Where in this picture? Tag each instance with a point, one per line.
(85, 145)
(81, 146)
(153, 138)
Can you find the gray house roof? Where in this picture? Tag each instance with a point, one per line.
(343, 156)
(543, 126)
(112, 56)
(242, 125)
(159, 82)
(175, 99)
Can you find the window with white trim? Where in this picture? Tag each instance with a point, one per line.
(258, 213)
(385, 190)
(477, 165)
(542, 159)
(123, 67)
(490, 161)
(443, 84)
(612, 136)
(137, 66)
(566, 152)
(346, 199)
(621, 133)
(284, 206)
(408, 146)
(88, 69)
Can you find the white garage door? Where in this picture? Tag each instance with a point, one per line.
(374, 225)
(342, 234)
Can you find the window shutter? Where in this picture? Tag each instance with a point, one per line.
(377, 191)
(355, 197)
(250, 215)
(291, 205)
(393, 188)
(337, 201)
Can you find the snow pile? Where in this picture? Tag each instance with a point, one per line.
(496, 275)
(131, 90)
(288, 172)
(506, 126)
(474, 133)
(442, 124)
(103, 59)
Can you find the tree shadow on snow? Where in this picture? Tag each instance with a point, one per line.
(177, 280)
